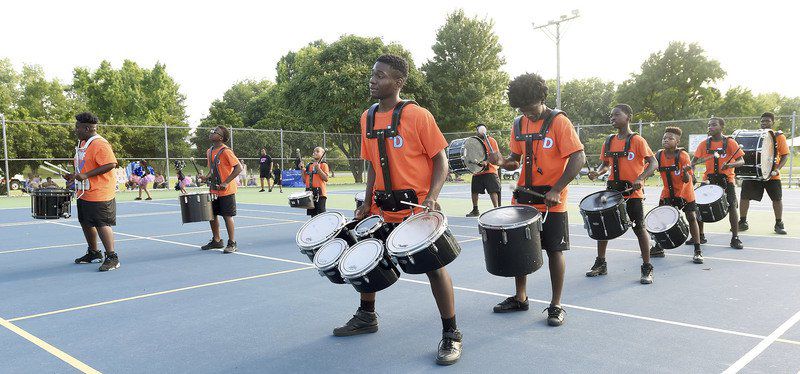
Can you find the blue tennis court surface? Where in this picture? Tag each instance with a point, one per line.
(174, 308)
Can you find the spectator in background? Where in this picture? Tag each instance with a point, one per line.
(159, 182)
(265, 169)
(298, 161)
(278, 175)
(49, 183)
(144, 175)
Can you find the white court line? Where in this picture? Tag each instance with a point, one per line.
(763, 345)
(658, 320)
(63, 356)
(75, 219)
(690, 256)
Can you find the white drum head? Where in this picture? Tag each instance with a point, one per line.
(661, 218)
(328, 255)
(509, 217)
(360, 196)
(319, 230)
(767, 153)
(707, 194)
(361, 258)
(416, 233)
(300, 195)
(368, 225)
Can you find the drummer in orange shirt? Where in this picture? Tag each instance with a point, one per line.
(675, 167)
(316, 179)
(224, 167)
(485, 181)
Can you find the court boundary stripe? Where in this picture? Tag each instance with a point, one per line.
(47, 347)
(763, 345)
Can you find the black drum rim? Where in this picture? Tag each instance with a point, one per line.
(328, 237)
(537, 217)
(422, 244)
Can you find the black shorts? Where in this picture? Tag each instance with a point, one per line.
(97, 213)
(635, 208)
(730, 195)
(277, 174)
(224, 206)
(319, 207)
(555, 232)
(684, 206)
(754, 190)
(485, 183)
(265, 174)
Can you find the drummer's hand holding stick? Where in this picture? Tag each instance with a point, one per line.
(600, 170)
(439, 175)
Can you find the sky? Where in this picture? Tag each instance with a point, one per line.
(208, 46)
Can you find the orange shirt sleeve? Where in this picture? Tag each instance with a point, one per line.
(644, 148)
(739, 152)
(493, 142)
(783, 146)
(701, 149)
(603, 150)
(325, 168)
(517, 147)
(229, 159)
(430, 136)
(568, 141)
(105, 155)
(685, 161)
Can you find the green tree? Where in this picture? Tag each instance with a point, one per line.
(738, 101)
(464, 74)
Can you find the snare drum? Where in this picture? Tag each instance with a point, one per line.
(196, 207)
(302, 200)
(667, 226)
(51, 203)
(465, 155)
(320, 229)
(423, 243)
(360, 197)
(712, 204)
(512, 243)
(367, 266)
(373, 227)
(604, 215)
(326, 260)
(759, 149)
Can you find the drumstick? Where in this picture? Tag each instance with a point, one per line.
(48, 169)
(56, 167)
(604, 199)
(415, 205)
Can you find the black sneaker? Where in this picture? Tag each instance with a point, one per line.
(779, 228)
(213, 245)
(138, 198)
(702, 240)
(449, 348)
(111, 262)
(555, 315)
(230, 248)
(511, 304)
(736, 243)
(743, 226)
(698, 258)
(362, 322)
(647, 274)
(149, 198)
(657, 251)
(262, 190)
(473, 213)
(89, 257)
(600, 267)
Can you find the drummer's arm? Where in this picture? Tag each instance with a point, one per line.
(735, 164)
(574, 165)
(236, 171)
(98, 170)
(593, 174)
(652, 165)
(440, 170)
(510, 163)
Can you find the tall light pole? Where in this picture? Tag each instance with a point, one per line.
(556, 37)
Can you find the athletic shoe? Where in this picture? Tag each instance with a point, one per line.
(262, 190)
(736, 243)
(230, 248)
(111, 262)
(213, 245)
(473, 213)
(698, 258)
(511, 304)
(149, 198)
(362, 322)
(743, 226)
(449, 348)
(555, 315)
(657, 251)
(647, 274)
(779, 228)
(89, 257)
(599, 268)
(137, 198)
(702, 240)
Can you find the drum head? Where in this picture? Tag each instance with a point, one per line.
(767, 153)
(416, 233)
(601, 200)
(707, 194)
(661, 218)
(361, 258)
(474, 153)
(328, 255)
(360, 196)
(368, 225)
(509, 217)
(319, 230)
(300, 195)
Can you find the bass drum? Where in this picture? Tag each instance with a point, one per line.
(759, 149)
(511, 237)
(667, 226)
(712, 204)
(465, 155)
(604, 215)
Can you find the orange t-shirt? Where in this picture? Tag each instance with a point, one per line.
(227, 162)
(682, 190)
(102, 187)
(783, 151)
(732, 146)
(551, 155)
(491, 168)
(318, 182)
(410, 153)
(631, 167)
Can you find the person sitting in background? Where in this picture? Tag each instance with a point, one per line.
(159, 182)
(49, 183)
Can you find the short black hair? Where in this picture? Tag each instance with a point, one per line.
(674, 130)
(396, 62)
(625, 108)
(526, 89)
(769, 115)
(719, 120)
(225, 133)
(87, 117)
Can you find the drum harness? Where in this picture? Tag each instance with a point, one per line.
(80, 155)
(716, 177)
(617, 184)
(317, 191)
(680, 202)
(530, 193)
(216, 178)
(389, 199)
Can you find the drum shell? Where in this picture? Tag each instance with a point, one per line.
(714, 211)
(382, 233)
(305, 202)
(608, 223)
(383, 275)
(196, 207)
(331, 272)
(512, 252)
(51, 204)
(673, 237)
(443, 251)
